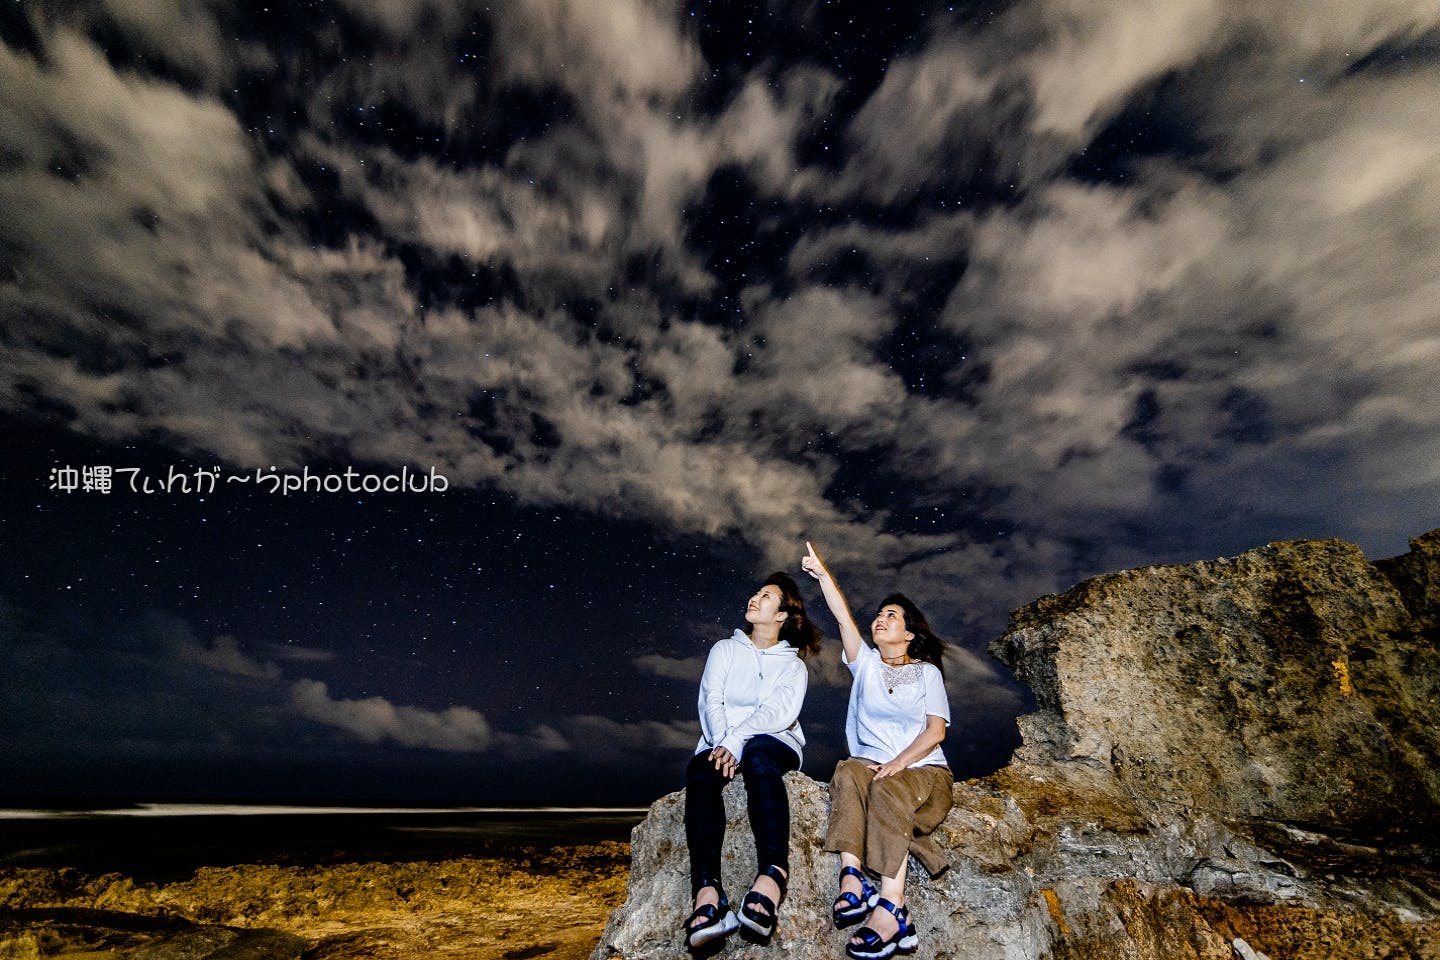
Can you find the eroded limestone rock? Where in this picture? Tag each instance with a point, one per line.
(1289, 683)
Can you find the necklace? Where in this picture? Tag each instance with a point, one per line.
(896, 675)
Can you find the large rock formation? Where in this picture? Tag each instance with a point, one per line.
(1231, 759)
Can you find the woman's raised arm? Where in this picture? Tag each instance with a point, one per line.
(849, 633)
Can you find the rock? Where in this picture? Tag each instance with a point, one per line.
(1244, 951)
(549, 903)
(33, 933)
(1264, 663)
(1227, 756)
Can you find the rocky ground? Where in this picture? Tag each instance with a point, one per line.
(543, 903)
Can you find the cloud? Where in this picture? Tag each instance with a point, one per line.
(596, 739)
(296, 654)
(226, 656)
(625, 49)
(400, 18)
(183, 33)
(826, 670)
(981, 695)
(137, 691)
(377, 720)
(540, 742)
(928, 118)
(688, 669)
(1090, 59)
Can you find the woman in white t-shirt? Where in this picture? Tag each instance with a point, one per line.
(896, 785)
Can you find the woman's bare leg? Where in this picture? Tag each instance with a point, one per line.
(881, 921)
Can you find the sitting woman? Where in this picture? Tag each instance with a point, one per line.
(896, 786)
(750, 697)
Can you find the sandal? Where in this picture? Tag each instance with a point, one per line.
(872, 946)
(856, 907)
(719, 920)
(763, 924)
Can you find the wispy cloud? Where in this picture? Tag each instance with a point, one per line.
(673, 668)
(226, 656)
(377, 720)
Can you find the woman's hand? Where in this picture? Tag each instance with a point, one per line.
(725, 762)
(887, 769)
(849, 633)
(925, 741)
(813, 565)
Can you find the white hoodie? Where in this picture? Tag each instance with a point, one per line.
(746, 691)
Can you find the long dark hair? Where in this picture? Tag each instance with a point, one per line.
(924, 645)
(798, 629)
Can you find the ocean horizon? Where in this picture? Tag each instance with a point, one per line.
(172, 809)
(167, 841)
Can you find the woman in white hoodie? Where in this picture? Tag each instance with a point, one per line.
(750, 697)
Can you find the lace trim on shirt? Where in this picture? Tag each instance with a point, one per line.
(902, 676)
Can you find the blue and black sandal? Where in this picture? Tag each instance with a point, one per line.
(719, 920)
(762, 923)
(851, 908)
(872, 946)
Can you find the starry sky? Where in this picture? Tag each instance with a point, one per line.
(983, 298)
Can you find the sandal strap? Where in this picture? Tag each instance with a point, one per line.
(709, 911)
(898, 912)
(866, 887)
(868, 937)
(697, 885)
(758, 898)
(754, 897)
(778, 875)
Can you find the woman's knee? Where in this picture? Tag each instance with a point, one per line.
(759, 768)
(895, 794)
(701, 773)
(767, 757)
(850, 773)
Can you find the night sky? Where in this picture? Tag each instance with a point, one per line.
(982, 298)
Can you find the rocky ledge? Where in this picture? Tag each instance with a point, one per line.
(1231, 759)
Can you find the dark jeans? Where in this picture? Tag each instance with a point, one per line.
(764, 761)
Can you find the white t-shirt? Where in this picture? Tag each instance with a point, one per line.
(888, 707)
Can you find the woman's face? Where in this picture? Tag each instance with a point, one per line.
(889, 626)
(764, 607)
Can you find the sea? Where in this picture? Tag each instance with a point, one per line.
(165, 842)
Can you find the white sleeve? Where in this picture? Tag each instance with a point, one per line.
(714, 723)
(937, 704)
(854, 665)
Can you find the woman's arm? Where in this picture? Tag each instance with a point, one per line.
(712, 695)
(929, 738)
(849, 633)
